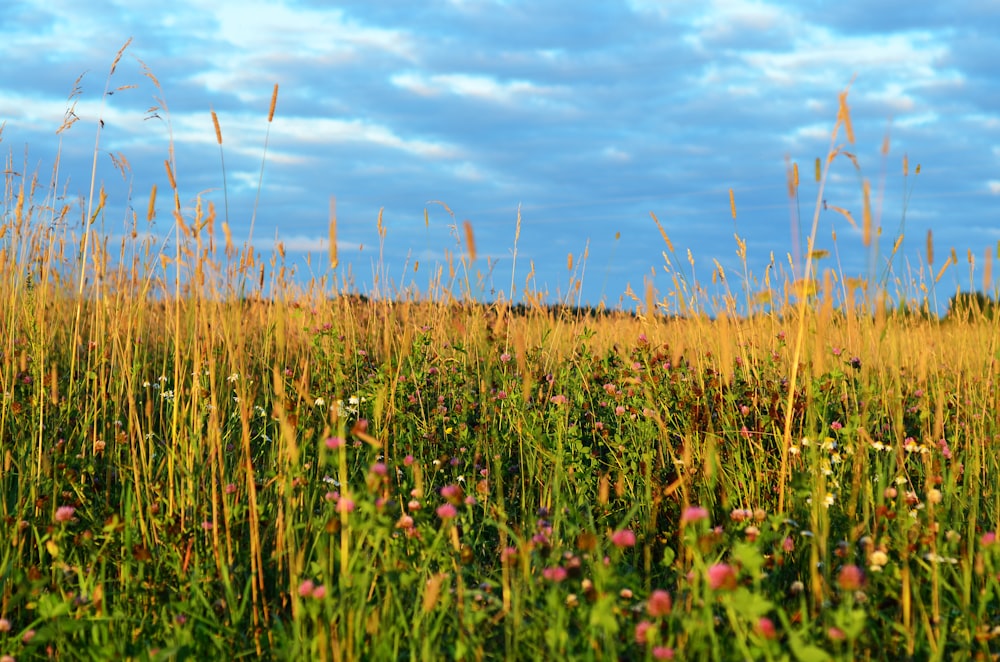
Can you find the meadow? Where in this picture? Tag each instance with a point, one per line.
(190, 469)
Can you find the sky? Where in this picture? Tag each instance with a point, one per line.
(587, 117)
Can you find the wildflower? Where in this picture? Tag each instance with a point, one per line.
(559, 399)
(836, 634)
(988, 539)
(721, 576)
(333, 443)
(207, 525)
(890, 493)
(693, 514)
(751, 532)
(446, 511)
(404, 522)
(508, 555)
(836, 425)
(555, 574)
(659, 603)
(641, 629)
(345, 505)
(451, 493)
(64, 513)
(319, 592)
(505, 358)
(945, 450)
(306, 588)
(878, 560)
(663, 653)
(934, 496)
(851, 578)
(740, 514)
(413, 505)
(4, 625)
(765, 628)
(788, 544)
(319, 402)
(379, 469)
(623, 538)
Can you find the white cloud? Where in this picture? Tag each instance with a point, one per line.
(268, 27)
(616, 155)
(481, 87)
(320, 131)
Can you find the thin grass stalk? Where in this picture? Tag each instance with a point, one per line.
(843, 117)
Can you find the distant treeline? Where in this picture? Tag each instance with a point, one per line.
(961, 306)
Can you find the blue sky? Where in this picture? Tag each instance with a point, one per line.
(588, 116)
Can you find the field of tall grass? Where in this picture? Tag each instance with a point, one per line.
(192, 470)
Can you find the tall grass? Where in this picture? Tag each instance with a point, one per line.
(203, 457)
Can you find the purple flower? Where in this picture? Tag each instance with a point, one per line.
(659, 603)
(693, 514)
(721, 576)
(64, 513)
(851, 578)
(446, 511)
(555, 574)
(451, 493)
(623, 538)
(306, 588)
(641, 628)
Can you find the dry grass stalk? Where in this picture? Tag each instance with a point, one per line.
(470, 241)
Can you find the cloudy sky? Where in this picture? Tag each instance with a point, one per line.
(586, 116)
